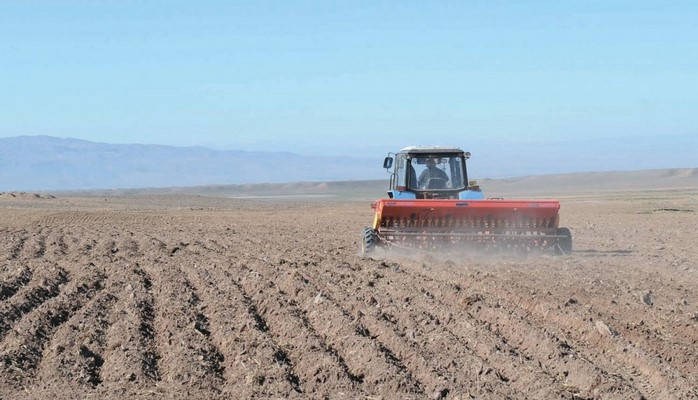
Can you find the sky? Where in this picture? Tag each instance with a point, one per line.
(347, 77)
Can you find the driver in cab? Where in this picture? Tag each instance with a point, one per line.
(432, 177)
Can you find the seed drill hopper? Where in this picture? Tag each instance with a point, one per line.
(431, 205)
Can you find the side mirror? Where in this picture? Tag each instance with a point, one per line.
(388, 162)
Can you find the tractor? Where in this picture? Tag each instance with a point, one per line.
(431, 205)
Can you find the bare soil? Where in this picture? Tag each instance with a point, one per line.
(176, 296)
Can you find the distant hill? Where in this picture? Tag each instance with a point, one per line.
(647, 183)
(653, 181)
(44, 163)
(502, 159)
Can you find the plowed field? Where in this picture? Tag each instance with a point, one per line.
(200, 298)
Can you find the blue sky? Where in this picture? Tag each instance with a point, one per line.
(360, 76)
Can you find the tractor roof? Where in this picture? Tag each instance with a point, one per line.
(431, 150)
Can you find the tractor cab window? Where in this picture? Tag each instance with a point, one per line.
(438, 172)
(399, 171)
(405, 175)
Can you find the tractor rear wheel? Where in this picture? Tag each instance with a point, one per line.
(564, 244)
(369, 240)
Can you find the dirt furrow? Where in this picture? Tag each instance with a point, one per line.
(433, 328)
(14, 242)
(128, 247)
(44, 285)
(433, 372)
(332, 331)
(240, 332)
(22, 351)
(75, 218)
(13, 278)
(275, 379)
(55, 246)
(450, 338)
(36, 244)
(76, 351)
(130, 353)
(334, 337)
(188, 357)
(311, 361)
(31, 245)
(214, 298)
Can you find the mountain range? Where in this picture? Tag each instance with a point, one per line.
(43, 163)
(46, 163)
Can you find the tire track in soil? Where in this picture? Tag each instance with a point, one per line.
(22, 350)
(656, 330)
(437, 299)
(518, 341)
(348, 358)
(615, 297)
(531, 338)
(673, 355)
(240, 333)
(657, 379)
(524, 320)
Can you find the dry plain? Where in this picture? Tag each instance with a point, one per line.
(176, 295)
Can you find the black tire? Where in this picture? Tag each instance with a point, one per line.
(564, 244)
(369, 240)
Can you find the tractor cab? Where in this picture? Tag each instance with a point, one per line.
(430, 172)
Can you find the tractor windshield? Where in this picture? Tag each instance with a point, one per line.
(437, 172)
